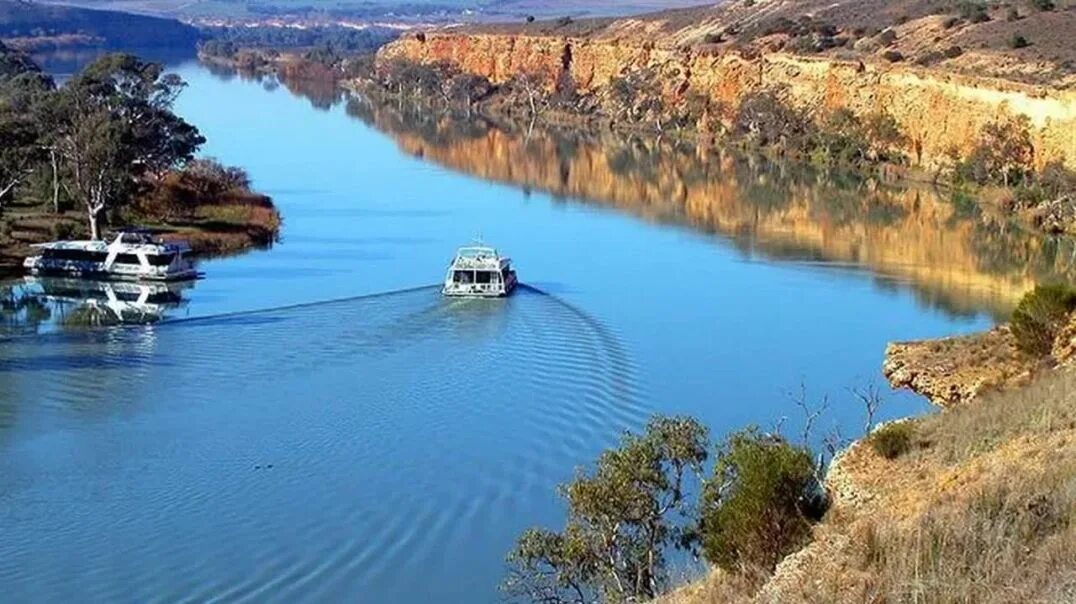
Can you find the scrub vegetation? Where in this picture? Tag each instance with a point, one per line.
(652, 495)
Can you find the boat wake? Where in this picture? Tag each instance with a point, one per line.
(317, 450)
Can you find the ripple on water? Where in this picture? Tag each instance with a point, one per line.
(361, 446)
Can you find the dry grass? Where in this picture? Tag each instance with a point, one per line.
(1013, 541)
(981, 509)
(1045, 406)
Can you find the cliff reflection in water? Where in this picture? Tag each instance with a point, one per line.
(953, 256)
(36, 305)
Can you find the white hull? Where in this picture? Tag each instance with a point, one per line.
(131, 256)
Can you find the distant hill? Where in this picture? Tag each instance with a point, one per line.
(32, 26)
(383, 10)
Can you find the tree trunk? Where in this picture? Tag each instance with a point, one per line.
(55, 180)
(94, 234)
(7, 189)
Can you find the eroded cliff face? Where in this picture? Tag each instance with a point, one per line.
(965, 263)
(938, 112)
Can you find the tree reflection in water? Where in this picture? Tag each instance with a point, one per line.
(911, 234)
(37, 305)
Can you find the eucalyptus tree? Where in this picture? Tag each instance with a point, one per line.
(23, 88)
(115, 129)
(623, 518)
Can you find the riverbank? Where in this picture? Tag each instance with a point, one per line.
(104, 150)
(216, 228)
(973, 503)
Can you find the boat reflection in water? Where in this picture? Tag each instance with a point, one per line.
(41, 304)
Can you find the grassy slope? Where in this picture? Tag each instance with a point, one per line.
(981, 509)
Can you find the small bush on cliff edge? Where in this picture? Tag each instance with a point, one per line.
(1040, 315)
(892, 440)
(759, 505)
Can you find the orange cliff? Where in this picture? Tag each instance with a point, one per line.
(938, 111)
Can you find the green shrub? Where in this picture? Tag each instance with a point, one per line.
(1044, 5)
(1040, 315)
(1002, 156)
(1018, 41)
(765, 118)
(758, 506)
(63, 231)
(972, 11)
(892, 440)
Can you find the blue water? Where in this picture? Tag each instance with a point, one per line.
(387, 445)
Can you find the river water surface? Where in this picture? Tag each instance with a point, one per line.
(314, 421)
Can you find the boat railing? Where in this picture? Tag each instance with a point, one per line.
(478, 287)
(476, 263)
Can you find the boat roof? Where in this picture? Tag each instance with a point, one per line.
(476, 250)
(137, 240)
(479, 257)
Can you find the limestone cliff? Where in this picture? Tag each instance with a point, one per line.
(938, 111)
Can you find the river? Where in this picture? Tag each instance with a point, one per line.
(313, 421)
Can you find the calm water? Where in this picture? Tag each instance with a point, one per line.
(314, 421)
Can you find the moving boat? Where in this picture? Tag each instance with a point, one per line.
(479, 272)
(134, 254)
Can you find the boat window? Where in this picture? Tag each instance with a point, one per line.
(161, 260)
(127, 259)
(483, 276)
(76, 255)
(463, 277)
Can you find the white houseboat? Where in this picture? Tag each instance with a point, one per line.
(479, 272)
(133, 254)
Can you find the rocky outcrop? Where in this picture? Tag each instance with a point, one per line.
(953, 371)
(938, 112)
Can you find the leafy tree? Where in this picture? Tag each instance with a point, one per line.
(884, 136)
(115, 127)
(636, 96)
(13, 62)
(19, 151)
(1003, 155)
(841, 138)
(758, 506)
(467, 89)
(622, 518)
(765, 118)
(22, 90)
(532, 87)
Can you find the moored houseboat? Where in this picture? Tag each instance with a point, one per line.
(479, 272)
(133, 254)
